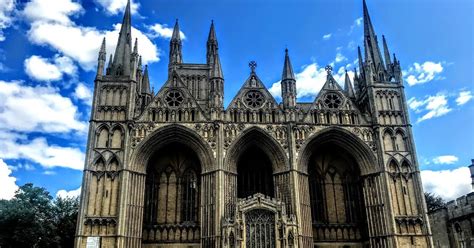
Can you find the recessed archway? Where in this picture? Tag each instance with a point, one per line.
(254, 173)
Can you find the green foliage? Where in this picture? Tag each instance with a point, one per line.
(434, 202)
(33, 219)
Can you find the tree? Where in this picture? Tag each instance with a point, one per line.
(434, 202)
(33, 219)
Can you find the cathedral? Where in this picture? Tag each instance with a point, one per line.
(177, 169)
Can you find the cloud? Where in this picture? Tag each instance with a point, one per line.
(57, 11)
(7, 182)
(163, 31)
(78, 42)
(327, 36)
(43, 69)
(6, 15)
(434, 106)
(464, 97)
(42, 109)
(17, 146)
(357, 23)
(69, 194)
(117, 6)
(449, 184)
(423, 73)
(82, 92)
(445, 159)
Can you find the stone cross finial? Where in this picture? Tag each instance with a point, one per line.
(328, 69)
(253, 65)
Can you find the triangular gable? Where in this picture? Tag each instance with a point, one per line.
(174, 82)
(253, 83)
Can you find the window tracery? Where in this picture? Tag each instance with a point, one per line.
(174, 98)
(254, 99)
(332, 100)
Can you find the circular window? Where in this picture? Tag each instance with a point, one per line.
(332, 100)
(254, 99)
(174, 98)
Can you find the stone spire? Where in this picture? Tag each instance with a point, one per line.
(348, 86)
(361, 62)
(121, 63)
(287, 68)
(176, 56)
(145, 87)
(371, 44)
(212, 45)
(216, 70)
(386, 52)
(288, 83)
(101, 59)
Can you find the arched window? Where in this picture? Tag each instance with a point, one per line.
(387, 141)
(400, 142)
(117, 138)
(103, 138)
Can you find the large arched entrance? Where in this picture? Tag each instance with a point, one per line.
(254, 173)
(336, 163)
(172, 196)
(337, 205)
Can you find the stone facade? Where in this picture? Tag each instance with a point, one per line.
(177, 169)
(453, 225)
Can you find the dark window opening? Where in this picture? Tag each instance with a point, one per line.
(255, 173)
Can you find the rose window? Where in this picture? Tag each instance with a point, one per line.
(332, 100)
(254, 99)
(174, 98)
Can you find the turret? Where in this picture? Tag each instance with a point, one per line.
(176, 56)
(348, 87)
(216, 76)
(288, 84)
(101, 60)
(135, 61)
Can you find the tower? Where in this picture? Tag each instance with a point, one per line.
(288, 84)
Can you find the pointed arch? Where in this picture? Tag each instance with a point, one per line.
(173, 133)
(256, 136)
(393, 165)
(117, 136)
(102, 137)
(98, 164)
(363, 155)
(113, 164)
(400, 140)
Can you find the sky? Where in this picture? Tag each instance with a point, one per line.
(49, 49)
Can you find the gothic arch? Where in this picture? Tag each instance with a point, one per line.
(393, 161)
(173, 133)
(363, 155)
(257, 137)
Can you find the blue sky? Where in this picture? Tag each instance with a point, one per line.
(48, 54)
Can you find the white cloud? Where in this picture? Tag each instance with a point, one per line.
(82, 92)
(117, 6)
(7, 182)
(449, 184)
(464, 97)
(43, 69)
(434, 106)
(163, 31)
(69, 194)
(80, 43)
(57, 11)
(327, 36)
(357, 23)
(6, 15)
(423, 73)
(41, 109)
(445, 159)
(339, 58)
(16, 146)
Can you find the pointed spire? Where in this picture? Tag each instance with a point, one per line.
(212, 46)
(101, 59)
(135, 47)
(361, 61)
(216, 71)
(371, 47)
(102, 48)
(176, 32)
(146, 82)
(123, 49)
(140, 63)
(287, 68)
(176, 56)
(386, 52)
(348, 86)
